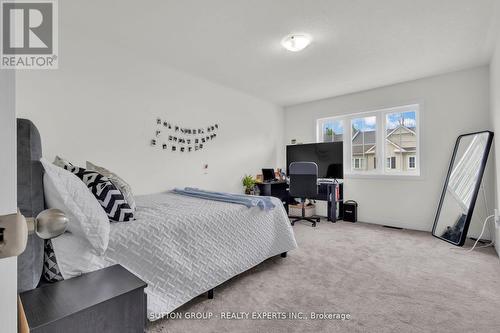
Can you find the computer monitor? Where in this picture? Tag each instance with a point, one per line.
(268, 174)
(329, 157)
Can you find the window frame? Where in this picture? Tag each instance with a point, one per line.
(381, 127)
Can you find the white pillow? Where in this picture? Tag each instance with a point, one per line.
(65, 191)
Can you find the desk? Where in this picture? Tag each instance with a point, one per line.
(326, 192)
(278, 189)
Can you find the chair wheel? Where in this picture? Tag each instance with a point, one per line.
(292, 223)
(314, 225)
(317, 220)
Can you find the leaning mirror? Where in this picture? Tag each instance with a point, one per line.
(461, 187)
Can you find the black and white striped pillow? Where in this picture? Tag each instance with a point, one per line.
(51, 271)
(111, 199)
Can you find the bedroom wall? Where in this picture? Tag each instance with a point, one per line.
(495, 117)
(451, 104)
(103, 109)
(8, 266)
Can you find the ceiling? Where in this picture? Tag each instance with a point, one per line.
(357, 44)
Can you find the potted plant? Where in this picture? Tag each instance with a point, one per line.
(249, 183)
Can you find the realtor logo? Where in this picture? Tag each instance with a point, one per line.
(29, 34)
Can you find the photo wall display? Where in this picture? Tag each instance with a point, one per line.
(173, 137)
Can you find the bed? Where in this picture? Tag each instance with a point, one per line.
(181, 246)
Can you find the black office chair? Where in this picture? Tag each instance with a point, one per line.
(303, 185)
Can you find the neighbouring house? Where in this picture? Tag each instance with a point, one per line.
(400, 152)
(363, 147)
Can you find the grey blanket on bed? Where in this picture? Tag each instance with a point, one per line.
(249, 201)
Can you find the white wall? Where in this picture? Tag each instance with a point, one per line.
(103, 110)
(8, 199)
(495, 116)
(451, 104)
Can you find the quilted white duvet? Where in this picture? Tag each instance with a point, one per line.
(183, 246)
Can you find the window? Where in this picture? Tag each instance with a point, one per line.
(363, 141)
(391, 162)
(401, 139)
(331, 130)
(357, 163)
(388, 135)
(412, 162)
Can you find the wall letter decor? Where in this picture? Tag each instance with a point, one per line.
(180, 138)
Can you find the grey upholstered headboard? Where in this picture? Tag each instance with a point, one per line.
(30, 200)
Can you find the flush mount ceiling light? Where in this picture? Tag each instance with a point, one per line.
(296, 42)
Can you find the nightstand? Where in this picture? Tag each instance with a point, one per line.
(108, 300)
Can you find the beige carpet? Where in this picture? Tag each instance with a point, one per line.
(388, 281)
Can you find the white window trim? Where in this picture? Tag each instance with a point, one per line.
(380, 171)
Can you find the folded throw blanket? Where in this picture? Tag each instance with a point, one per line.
(249, 201)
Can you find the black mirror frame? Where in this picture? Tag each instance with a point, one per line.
(463, 237)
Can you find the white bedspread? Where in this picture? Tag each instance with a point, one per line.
(183, 246)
